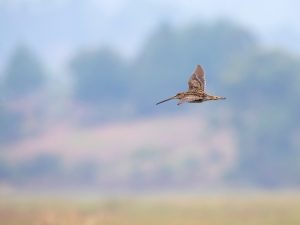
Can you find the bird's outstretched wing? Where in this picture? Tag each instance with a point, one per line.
(197, 80)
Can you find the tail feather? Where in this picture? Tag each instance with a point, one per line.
(165, 100)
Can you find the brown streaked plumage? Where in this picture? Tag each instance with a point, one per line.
(196, 92)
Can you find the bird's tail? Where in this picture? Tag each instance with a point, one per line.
(166, 100)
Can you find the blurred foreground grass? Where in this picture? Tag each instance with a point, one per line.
(253, 209)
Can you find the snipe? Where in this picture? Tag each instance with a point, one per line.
(196, 92)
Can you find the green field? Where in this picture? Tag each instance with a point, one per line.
(253, 209)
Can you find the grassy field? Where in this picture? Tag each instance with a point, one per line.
(254, 209)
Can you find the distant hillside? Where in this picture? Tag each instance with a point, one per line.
(144, 150)
(106, 115)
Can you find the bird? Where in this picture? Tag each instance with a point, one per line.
(196, 92)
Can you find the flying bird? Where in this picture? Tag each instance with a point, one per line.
(196, 92)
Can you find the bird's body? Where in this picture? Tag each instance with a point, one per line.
(196, 92)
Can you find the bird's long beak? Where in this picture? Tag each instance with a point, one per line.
(166, 100)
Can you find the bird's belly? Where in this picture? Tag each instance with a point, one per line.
(197, 101)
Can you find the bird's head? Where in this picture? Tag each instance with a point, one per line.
(179, 95)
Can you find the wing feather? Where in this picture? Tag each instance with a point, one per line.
(197, 80)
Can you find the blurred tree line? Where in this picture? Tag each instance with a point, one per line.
(261, 86)
(23, 79)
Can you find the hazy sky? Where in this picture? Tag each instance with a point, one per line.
(57, 28)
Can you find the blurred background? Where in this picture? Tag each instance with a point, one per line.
(79, 81)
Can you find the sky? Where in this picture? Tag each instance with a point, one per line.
(57, 29)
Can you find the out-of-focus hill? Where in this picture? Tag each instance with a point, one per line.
(189, 131)
(184, 147)
(107, 117)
